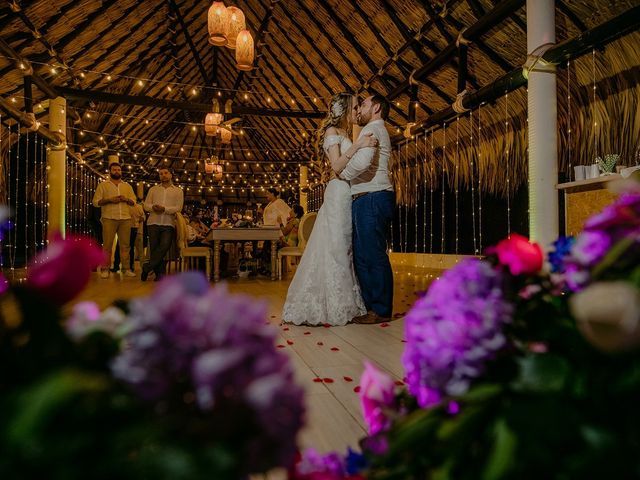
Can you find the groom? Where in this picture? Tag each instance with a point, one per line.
(372, 211)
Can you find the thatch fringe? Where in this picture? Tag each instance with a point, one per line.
(493, 155)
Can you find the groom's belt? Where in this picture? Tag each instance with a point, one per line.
(362, 194)
(358, 195)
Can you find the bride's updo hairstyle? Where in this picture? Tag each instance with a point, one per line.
(338, 116)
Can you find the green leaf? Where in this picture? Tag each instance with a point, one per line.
(542, 373)
(502, 453)
(460, 424)
(413, 429)
(481, 393)
(40, 401)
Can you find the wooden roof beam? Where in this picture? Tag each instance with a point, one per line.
(106, 97)
(483, 25)
(187, 36)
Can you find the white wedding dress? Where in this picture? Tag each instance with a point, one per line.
(324, 289)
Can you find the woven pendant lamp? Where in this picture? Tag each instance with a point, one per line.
(217, 22)
(244, 51)
(235, 24)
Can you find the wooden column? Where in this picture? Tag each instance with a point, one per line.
(56, 169)
(303, 186)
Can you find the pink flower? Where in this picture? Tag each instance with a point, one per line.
(520, 255)
(376, 394)
(64, 268)
(4, 284)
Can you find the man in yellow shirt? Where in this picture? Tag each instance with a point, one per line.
(114, 197)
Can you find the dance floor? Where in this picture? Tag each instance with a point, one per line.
(328, 361)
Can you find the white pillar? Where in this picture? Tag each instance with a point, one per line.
(56, 170)
(304, 186)
(140, 190)
(543, 138)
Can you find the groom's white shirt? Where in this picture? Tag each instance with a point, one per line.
(368, 169)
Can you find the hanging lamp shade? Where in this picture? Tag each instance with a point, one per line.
(217, 22)
(209, 166)
(211, 122)
(217, 172)
(235, 24)
(225, 135)
(244, 51)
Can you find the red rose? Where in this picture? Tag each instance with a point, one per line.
(520, 255)
(63, 270)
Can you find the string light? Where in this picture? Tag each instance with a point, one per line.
(569, 118)
(424, 195)
(472, 182)
(415, 248)
(443, 199)
(506, 134)
(26, 199)
(479, 180)
(432, 181)
(456, 179)
(400, 209)
(593, 104)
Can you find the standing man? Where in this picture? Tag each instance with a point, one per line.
(163, 201)
(114, 197)
(372, 211)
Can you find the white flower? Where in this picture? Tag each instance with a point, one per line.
(337, 109)
(608, 315)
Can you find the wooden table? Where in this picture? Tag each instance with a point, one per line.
(229, 234)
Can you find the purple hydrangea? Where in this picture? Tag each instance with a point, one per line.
(601, 232)
(454, 330)
(187, 340)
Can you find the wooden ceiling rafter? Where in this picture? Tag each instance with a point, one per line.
(303, 75)
(192, 48)
(258, 41)
(573, 18)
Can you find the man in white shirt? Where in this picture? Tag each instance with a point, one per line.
(372, 211)
(163, 201)
(115, 197)
(274, 209)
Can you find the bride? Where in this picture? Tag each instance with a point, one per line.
(324, 289)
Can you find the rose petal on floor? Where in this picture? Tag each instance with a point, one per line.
(348, 379)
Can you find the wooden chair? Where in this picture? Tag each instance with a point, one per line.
(304, 232)
(189, 255)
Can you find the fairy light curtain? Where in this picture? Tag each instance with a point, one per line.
(23, 188)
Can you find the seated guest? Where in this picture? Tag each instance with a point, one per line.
(195, 234)
(290, 230)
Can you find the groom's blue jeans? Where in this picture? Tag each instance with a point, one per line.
(371, 216)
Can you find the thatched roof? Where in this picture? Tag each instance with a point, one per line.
(308, 50)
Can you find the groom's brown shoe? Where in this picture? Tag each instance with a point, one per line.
(370, 318)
